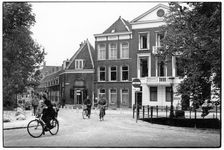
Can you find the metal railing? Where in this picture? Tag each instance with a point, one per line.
(146, 111)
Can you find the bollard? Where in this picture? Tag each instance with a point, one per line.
(151, 113)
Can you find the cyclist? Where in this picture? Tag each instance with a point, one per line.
(88, 103)
(102, 104)
(48, 113)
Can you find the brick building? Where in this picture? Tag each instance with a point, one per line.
(114, 63)
(153, 72)
(77, 78)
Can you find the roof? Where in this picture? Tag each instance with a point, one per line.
(120, 25)
(148, 12)
(89, 55)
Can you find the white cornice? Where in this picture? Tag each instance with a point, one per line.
(78, 71)
(112, 34)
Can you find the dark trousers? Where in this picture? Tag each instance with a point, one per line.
(47, 118)
(89, 109)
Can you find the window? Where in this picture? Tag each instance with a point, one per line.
(102, 74)
(124, 73)
(124, 50)
(113, 96)
(144, 67)
(153, 93)
(101, 92)
(79, 64)
(113, 51)
(113, 73)
(168, 94)
(101, 51)
(161, 69)
(159, 37)
(124, 96)
(144, 40)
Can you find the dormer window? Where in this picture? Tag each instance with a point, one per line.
(79, 64)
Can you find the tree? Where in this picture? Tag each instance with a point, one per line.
(192, 33)
(21, 54)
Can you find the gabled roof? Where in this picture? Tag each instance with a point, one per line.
(148, 12)
(120, 25)
(85, 46)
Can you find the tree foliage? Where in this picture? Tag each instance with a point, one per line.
(21, 54)
(193, 34)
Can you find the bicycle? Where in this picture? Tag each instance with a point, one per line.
(85, 113)
(102, 112)
(35, 127)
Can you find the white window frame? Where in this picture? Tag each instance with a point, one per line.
(124, 93)
(100, 72)
(140, 41)
(158, 39)
(101, 52)
(79, 64)
(111, 93)
(124, 48)
(112, 51)
(100, 94)
(122, 72)
(110, 73)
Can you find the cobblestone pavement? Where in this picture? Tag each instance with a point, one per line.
(118, 130)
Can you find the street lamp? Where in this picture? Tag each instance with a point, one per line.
(171, 107)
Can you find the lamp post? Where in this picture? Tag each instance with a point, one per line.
(171, 106)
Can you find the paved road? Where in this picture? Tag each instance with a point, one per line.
(118, 130)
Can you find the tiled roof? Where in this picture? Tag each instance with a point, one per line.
(120, 25)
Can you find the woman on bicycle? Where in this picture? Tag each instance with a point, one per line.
(88, 103)
(102, 104)
(48, 112)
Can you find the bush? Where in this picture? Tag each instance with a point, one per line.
(179, 114)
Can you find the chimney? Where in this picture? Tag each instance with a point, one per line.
(65, 63)
(81, 44)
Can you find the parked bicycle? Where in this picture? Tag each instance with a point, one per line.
(36, 127)
(85, 113)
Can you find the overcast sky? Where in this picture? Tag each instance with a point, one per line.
(60, 27)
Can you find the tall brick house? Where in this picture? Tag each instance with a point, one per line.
(113, 64)
(77, 78)
(153, 72)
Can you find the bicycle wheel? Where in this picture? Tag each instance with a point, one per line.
(84, 114)
(35, 128)
(55, 124)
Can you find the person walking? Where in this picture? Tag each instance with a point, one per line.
(35, 103)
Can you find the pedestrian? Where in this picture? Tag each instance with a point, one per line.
(35, 103)
(88, 103)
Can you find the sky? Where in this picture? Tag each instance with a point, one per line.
(61, 26)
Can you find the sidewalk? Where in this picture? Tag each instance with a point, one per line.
(17, 124)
